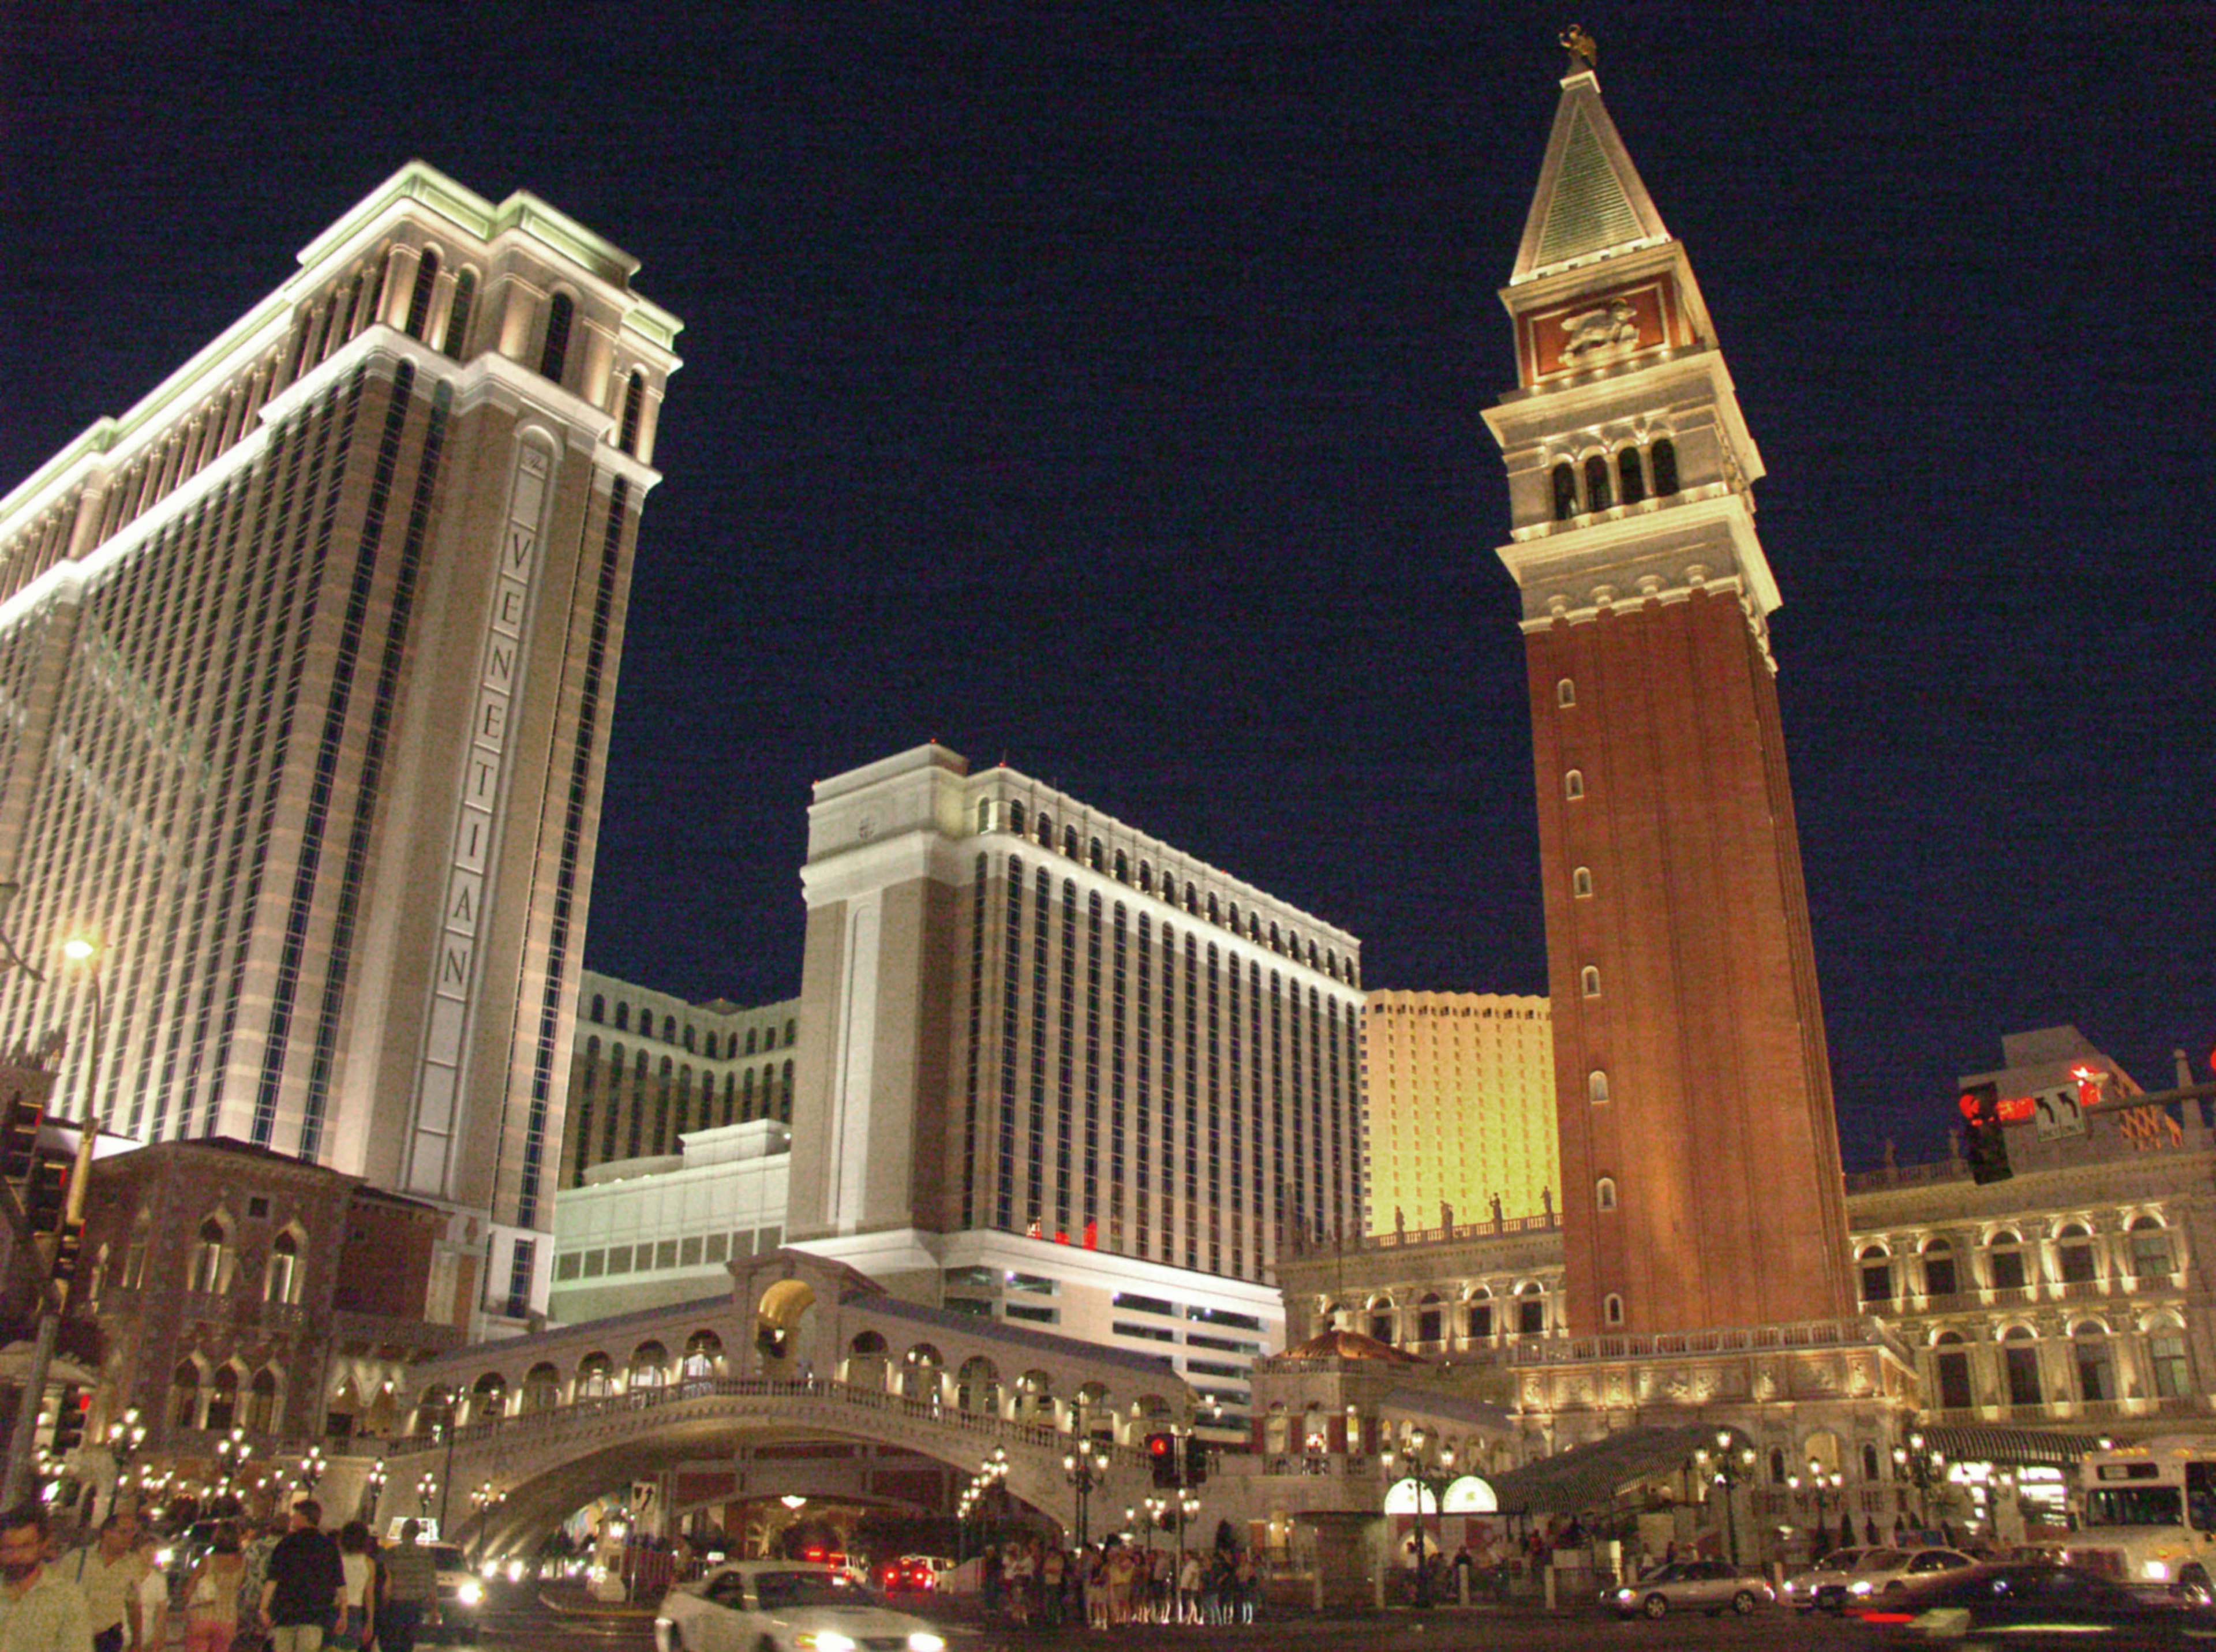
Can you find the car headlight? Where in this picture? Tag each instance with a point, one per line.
(1626, 1594)
(2156, 1571)
(924, 1641)
(1862, 1588)
(826, 1640)
(469, 1592)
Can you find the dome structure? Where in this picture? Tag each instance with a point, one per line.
(1350, 1345)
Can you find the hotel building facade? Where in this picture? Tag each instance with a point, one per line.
(308, 661)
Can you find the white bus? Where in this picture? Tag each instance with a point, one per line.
(2149, 1514)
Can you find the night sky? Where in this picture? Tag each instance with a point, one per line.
(1100, 388)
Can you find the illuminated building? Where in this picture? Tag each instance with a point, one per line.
(1458, 1105)
(309, 660)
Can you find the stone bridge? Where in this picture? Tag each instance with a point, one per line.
(801, 1350)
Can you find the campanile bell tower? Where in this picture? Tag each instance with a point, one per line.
(1699, 1155)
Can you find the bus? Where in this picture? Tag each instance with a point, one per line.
(2149, 1512)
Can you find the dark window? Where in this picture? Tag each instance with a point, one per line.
(2022, 1361)
(1631, 476)
(1429, 1321)
(555, 355)
(458, 317)
(1877, 1277)
(1480, 1319)
(1939, 1269)
(634, 403)
(1531, 1315)
(1954, 1368)
(1664, 454)
(1597, 497)
(419, 301)
(1566, 492)
(2006, 1263)
(2075, 1253)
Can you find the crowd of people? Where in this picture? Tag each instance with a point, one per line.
(291, 1587)
(1034, 1582)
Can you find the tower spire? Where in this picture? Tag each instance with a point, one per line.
(1590, 204)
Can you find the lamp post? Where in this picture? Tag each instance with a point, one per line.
(124, 1439)
(1731, 1470)
(373, 1491)
(1085, 1468)
(1924, 1468)
(14, 1487)
(426, 1487)
(311, 1471)
(1416, 1466)
(1188, 1510)
(232, 1453)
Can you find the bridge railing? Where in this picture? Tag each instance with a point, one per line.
(521, 1427)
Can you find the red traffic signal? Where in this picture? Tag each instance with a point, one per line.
(1162, 1454)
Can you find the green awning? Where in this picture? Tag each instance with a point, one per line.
(1975, 1442)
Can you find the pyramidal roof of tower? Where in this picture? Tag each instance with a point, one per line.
(1590, 204)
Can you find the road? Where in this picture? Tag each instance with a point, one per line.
(515, 1620)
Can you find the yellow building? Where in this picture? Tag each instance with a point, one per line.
(1459, 1108)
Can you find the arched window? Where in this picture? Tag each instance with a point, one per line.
(703, 1355)
(1597, 1085)
(223, 1401)
(1665, 456)
(1146, 877)
(649, 1366)
(670, 1029)
(2173, 1376)
(1612, 1309)
(262, 1403)
(1629, 473)
(184, 1395)
(1096, 855)
(595, 1376)
(751, 1032)
(623, 1016)
(1597, 494)
(600, 1007)
(1430, 1318)
(1604, 1193)
(2020, 1357)
(1016, 818)
(1581, 883)
(634, 405)
(2073, 1249)
(1950, 1364)
(1479, 1313)
(542, 1388)
(2004, 1261)
(1939, 1269)
(1069, 841)
(1566, 693)
(1530, 1309)
(1589, 981)
(2096, 1362)
(211, 1272)
(1565, 491)
(280, 1282)
(1573, 785)
(458, 315)
(1876, 1264)
(419, 301)
(555, 355)
(2151, 1256)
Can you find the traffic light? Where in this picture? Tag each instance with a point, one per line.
(47, 1194)
(69, 1419)
(1161, 1454)
(19, 1137)
(1983, 1144)
(68, 1243)
(1195, 1460)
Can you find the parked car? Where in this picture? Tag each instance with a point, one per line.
(1832, 1570)
(2036, 1601)
(915, 1574)
(1882, 1570)
(1709, 1586)
(778, 1606)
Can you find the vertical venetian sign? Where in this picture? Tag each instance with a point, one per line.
(439, 1107)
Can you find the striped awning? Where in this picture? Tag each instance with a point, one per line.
(1976, 1442)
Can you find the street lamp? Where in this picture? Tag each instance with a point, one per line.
(1085, 1468)
(312, 1470)
(85, 955)
(125, 1437)
(232, 1453)
(1188, 1510)
(427, 1488)
(1924, 1468)
(1417, 1466)
(375, 1490)
(1732, 1470)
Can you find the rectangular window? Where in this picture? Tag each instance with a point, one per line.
(2008, 1270)
(689, 1253)
(715, 1248)
(1223, 1317)
(976, 1307)
(1034, 1284)
(1039, 1314)
(596, 1263)
(2150, 1252)
(2166, 1353)
(1877, 1282)
(1144, 1304)
(2024, 1375)
(619, 1260)
(1151, 1333)
(567, 1267)
(1939, 1275)
(1209, 1368)
(665, 1253)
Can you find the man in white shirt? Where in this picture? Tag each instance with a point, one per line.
(39, 1612)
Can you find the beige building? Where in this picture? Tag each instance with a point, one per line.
(308, 661)
(1458, 1107)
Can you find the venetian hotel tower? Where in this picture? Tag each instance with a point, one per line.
(308, 661)
(1699, 1155)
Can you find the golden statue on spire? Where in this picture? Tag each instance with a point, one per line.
(1578, 44)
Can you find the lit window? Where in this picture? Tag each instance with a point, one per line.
(1589, 981)
(1604, 1193)
(2150, 1247)
(1597, 1085)
(1566, 492)
(282, 1283)
(1573, 785)
(1614, 1309)
(1566, 693)
(1581, 883)
(211, 1259)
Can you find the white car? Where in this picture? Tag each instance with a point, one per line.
(1884, 1570)
(1804, 1591)
(781, 1606)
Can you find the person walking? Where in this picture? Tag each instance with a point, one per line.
(306, 1590)
(40, 1610)
(357, 1618)
(109, 1569)
(212, 1592)
(411, 1590)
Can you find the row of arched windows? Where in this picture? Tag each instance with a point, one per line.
(1598, 484)
(214, 1404)
(716, 1046)
(1285, 942)
(2011, 1264)
(1477, 1314)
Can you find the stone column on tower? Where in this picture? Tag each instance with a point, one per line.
(1699, 1152)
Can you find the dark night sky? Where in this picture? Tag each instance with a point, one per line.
(1101, 387)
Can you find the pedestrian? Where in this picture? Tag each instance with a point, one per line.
(359, 1616)
(1018, 1577)
(1052, 1576)
(153, 1593)
(411, 1590)
(988, 1579)
(109, 1569)
(305, 1589)
(1189, 1587)
(212, 1592)
(40, 1610)
(1244, 1584)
